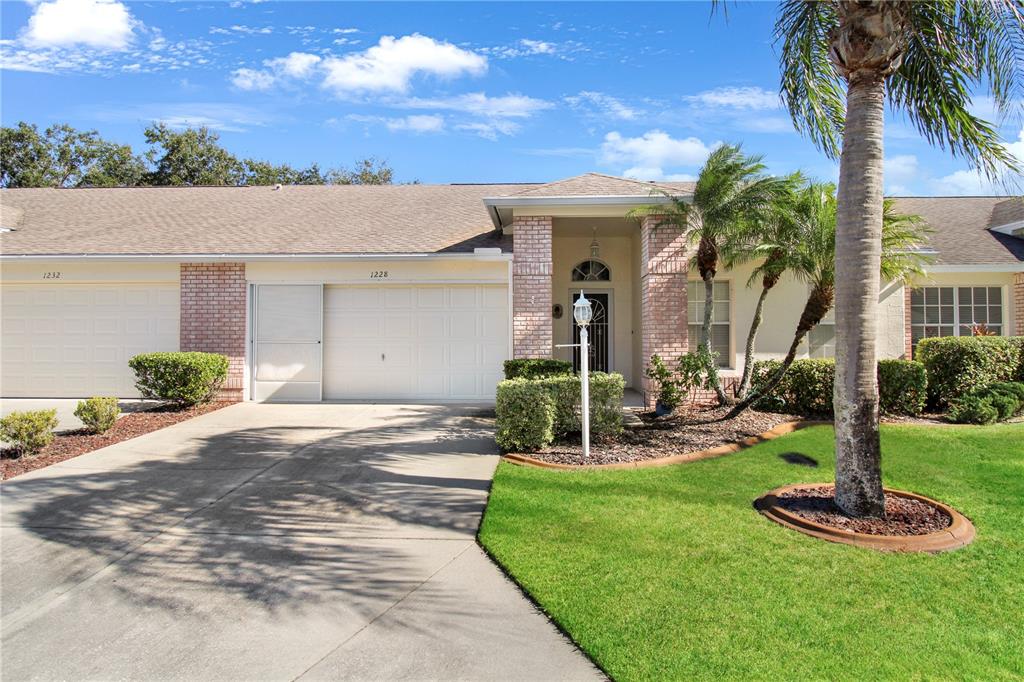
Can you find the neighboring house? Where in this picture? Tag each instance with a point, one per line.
(419, 292)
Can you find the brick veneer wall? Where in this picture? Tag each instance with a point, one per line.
(1018, 303)
(213, 317)
(531, 287)
(663, 315)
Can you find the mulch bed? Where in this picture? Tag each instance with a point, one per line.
(903, 516)
(677, 434)
(69, 444)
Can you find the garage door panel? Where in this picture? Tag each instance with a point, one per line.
(71, 340)
(438, 342)
(288, 362)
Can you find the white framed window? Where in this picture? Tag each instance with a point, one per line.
(720, 318)
(953, 311)
(821, 340)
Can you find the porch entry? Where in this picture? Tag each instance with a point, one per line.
(600, 332)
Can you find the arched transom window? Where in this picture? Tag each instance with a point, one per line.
(591, 271)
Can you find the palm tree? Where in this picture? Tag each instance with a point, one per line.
(924, 59)
(731, 191)
(772, 240)
(812, 259)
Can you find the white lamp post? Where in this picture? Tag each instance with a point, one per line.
(582, 312)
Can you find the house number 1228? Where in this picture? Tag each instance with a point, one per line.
(379, 274)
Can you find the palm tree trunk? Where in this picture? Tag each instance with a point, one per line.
(858, 259)
(748, 355)
(709, 308)
(819, 302)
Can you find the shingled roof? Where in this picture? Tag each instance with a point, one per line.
(387, 219)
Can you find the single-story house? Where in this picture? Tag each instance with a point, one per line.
(419, 292)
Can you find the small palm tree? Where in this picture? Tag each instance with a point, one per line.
(731, 191)
(771, 240)
(842, 61)
(812, 259)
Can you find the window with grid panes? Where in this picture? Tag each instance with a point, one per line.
(720, 319)
(953, 311)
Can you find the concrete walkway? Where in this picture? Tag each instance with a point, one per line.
(270, 542)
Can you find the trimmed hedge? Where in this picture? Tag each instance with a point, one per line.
(29, 431)
(807, 386)
(536, 368)
(521, 408)
(526, 415)
(997, 402)
(183, 378)
(958, 365)
(98, 414)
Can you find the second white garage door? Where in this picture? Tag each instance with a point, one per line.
(414, 342)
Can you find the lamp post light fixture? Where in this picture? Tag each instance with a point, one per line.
(583, 313)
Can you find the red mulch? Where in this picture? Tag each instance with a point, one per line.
(902, 516)
(701, 428)
(71, 444)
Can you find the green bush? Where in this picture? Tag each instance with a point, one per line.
(997, 402)
(958, 365)
(536, 368)
(183, 378)
(902, 387)
(669, 393)
(98, 414)
(806, 388)
(29, 432)
(525, 415)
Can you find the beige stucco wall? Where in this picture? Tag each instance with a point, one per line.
(84, 272)
(617, 254)
(370, 271)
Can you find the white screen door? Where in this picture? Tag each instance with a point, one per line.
(287, 348)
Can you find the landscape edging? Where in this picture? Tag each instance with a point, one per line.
(719, 451)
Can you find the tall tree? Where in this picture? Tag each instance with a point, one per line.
(62, 156)
(369, 171)
(192, 156)
(812, 259)
(842, 61)
(731, 191)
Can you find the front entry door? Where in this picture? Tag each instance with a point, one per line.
(600, 331)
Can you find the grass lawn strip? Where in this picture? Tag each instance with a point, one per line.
(669, 573)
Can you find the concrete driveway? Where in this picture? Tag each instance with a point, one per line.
(270, 542)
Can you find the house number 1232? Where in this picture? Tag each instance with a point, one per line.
(379, 274)
(51, 275)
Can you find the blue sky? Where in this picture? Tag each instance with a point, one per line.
(480, 92)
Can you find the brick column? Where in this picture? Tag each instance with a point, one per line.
(213, 317)
(1018, 304)
(908, 339)
(531, 287)
(663, 317)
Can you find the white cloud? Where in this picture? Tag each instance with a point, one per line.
(901, 170)
(750, 97)
(432, 123)
(654, 150)
(479, 104)
(974, 182)
(765, 124)
(345, 30)
(252, 79)
(218, 116)
(391, 64)
(605, 104)
(105, 24)
(536, 46)
(295, 65)
(490, 129)
(250, 30)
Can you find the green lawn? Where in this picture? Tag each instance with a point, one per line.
(669, 573)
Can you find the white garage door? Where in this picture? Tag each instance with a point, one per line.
(414, 342)
(70, 341)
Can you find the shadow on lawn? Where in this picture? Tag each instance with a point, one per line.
(271, 516)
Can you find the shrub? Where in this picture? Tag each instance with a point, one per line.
(536, 368)
(525, 415)
(183, 378)
(902, 387)
(669, 393)
(807, 386)
(997, 402)
(606, 392)
(29, 432)
(98, 414)
(958, 365)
